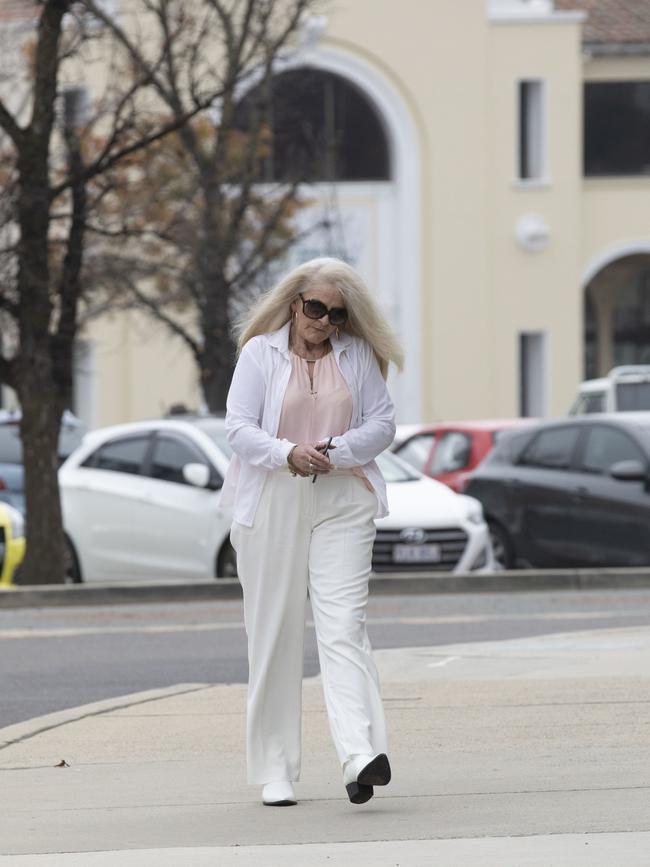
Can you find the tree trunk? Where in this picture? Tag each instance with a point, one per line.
(217, 364)
(40, 423)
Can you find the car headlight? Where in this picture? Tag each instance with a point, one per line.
(17, 524)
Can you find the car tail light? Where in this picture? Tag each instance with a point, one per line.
(3, 486)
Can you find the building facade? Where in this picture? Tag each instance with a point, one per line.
(501, 215)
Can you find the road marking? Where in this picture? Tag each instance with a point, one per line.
(442, 662)
(70, 632)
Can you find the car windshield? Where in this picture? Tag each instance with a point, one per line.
(216, 430)
(394, 470)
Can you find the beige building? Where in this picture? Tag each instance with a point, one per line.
(493, 187)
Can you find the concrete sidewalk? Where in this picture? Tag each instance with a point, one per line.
(529, 752)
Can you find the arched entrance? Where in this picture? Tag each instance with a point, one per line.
(617, 314)
(372, 192)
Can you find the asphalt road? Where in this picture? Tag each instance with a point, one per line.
(56, 658)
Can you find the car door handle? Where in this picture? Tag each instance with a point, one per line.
(581, 492)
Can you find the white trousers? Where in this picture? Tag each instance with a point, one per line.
(317, 536)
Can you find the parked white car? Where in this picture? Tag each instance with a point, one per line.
(141, 501)
(429, 527)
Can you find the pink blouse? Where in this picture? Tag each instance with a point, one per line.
(312, 414)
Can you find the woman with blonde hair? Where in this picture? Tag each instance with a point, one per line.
(307, 413)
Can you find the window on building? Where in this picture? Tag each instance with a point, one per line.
(617, 128)
(531, 130)
(324, 129)
(532, 373)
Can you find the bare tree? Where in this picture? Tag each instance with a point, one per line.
(58, 160)
(197, 222)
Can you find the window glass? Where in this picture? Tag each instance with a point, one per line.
(170, 455)
(393, 470)
(633, 395)
(606, 446)
(416, 451)
(551, 448)
(452, 452)
(120, 456)
(594, 402)
(617, 128)
(323, 129)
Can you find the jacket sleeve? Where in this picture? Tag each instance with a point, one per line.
(244, 409)
(360, 445)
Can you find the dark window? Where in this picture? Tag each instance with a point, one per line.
(531, 129)
(170, 456)
(617, 128)
(632, 396)
(551, 448)
(453, 451)
(606, 446)
(416, 451)
(589, 402)
(120, 456)
(322, 129)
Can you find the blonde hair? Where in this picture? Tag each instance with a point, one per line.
(365, 319)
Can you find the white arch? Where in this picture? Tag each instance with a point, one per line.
(612, 254)
(405, 165)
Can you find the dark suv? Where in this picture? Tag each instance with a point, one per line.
(574, 492)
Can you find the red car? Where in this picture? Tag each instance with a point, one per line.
(449, 451)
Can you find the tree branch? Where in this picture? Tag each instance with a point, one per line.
(9, 125)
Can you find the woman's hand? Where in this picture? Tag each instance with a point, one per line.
(308, 461)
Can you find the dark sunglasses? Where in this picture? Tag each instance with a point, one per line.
(314, 309)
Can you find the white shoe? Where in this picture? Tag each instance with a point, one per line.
(278, 795)
(362, 772)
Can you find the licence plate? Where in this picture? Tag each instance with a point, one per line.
(416, 554)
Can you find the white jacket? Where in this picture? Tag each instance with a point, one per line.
(253, 412)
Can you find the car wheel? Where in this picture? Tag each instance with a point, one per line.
(72, 569)
(226, 562)
(502, 547)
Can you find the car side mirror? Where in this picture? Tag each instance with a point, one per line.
(629, 471)
(197, 475)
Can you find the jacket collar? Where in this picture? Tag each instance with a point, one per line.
(280, 340)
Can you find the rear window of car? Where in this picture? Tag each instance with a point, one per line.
(552, 448)
(119, 456)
